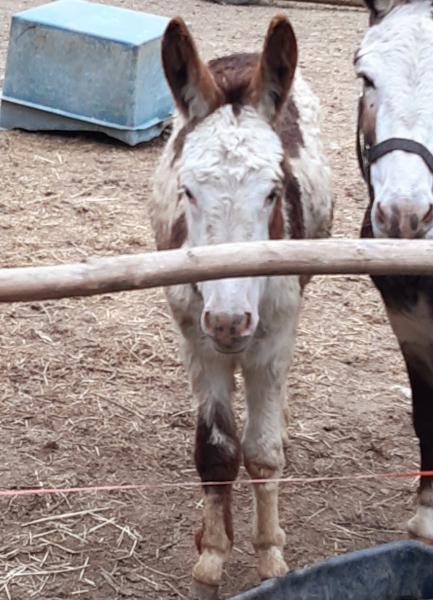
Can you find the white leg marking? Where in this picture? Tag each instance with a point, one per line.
(421, 525)
(215, 545)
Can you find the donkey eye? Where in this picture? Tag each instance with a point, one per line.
(368, 83)
(189, 195)
(270, 198)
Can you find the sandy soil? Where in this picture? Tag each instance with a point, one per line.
(93, 391)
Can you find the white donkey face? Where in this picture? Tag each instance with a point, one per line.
(230, 168)
(230, 180)
(230, 176)
(395, 62)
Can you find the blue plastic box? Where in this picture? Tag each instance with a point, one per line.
(397, 571)
(75, 65)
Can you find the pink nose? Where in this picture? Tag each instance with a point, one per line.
(403, 219)
(227, 330)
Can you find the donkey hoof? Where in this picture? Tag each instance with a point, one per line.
(203, 591)
(421, 525)
(271, 563)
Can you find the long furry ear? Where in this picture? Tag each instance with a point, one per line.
(273, 78)
(192, 84)
(380, 8)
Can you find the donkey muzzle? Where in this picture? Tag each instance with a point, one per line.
(403, 219)
(230, 333)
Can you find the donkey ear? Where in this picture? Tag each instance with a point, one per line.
(273, 78)
(192, 84)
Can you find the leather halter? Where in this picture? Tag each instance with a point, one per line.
(367, 154)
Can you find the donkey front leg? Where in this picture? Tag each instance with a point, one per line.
(421, 381)
(264, 459)
(217, 458)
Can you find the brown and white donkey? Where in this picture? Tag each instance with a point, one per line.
(395, 145)
(244, 162)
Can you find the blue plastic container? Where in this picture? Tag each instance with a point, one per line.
(397, 571)
(75, 65)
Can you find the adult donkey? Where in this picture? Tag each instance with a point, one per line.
(395, 141)
(244, 162)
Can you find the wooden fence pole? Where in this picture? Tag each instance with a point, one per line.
(131, 272)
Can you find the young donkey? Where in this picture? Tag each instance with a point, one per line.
(395, 141)
(244, 162)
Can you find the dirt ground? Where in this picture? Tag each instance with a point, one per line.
(92, 389)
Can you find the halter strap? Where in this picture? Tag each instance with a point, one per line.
(368, 154)
(375, 152)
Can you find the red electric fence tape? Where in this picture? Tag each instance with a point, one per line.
(193, 484)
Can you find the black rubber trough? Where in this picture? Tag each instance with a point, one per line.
(396, 571)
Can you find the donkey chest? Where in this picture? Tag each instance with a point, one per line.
(413, 326)
(411, 294)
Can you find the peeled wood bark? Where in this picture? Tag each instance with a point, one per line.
(132, 272)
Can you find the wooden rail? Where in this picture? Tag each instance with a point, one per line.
(132, 272)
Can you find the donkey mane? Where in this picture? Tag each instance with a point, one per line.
(233, 75)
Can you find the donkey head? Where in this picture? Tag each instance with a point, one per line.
(394, 61)
(229, 161)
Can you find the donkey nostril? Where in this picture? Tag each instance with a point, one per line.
(414, 222)
(428, 217)
(245, 325)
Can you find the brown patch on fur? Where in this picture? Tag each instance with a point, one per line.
(233, 75)
(198, 538)
(366, 227)
(293, 201)
(178, 235)
(287, 127)
(218, 462)
(180, 139)
(303, 280)
(276, 224)
(366, 136)
(422, 415)
(425, 491)
(367, 120)
(294, 211)
(366, 132)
